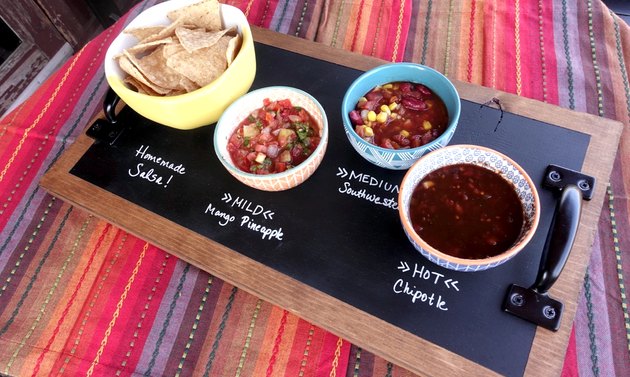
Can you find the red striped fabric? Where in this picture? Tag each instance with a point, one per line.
(79, 296)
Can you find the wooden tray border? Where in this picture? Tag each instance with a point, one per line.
(373, 334)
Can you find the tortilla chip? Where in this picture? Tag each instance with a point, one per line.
(198, 38)
(234, 45)
(201, 66)
(187, 84)
(154, 68)
(168, 31)
(205, 14)
(143, 32)
(127, 66)
(140, 87)
(176, 92)
(143, 47)
(172, 49)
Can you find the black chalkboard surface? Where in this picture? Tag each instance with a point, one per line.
(338, 232)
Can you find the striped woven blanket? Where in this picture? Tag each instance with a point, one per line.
(79, 296)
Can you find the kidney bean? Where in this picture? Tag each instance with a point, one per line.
(400, 139)
(374, 96)
(423, 90)
(405, 87)
(386, 143)
(427, 138)
(414, 103)
(416, 141)
(355, 118)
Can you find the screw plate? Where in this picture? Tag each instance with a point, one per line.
(534, 307)
(557, 177)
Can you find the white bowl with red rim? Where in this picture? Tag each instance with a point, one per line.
(489, 159)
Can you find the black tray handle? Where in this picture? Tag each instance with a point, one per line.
(109, 105)
(560, 239)
(107, 130)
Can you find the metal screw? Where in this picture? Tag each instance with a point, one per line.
(517, 299)
(584, 185)
(554, 176)
(549, 312)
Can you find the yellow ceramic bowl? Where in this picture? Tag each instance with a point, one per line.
(253, 100)
(202, 106)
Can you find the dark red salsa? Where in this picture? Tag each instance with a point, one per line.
(273, 138)
(466, 211)
(400, 115)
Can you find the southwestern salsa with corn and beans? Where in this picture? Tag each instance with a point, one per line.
(400, 115)
(273, 138)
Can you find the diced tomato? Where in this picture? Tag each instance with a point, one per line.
(280, 166)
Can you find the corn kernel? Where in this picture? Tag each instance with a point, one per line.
(371, 116)
(385, 109)
(362, 99)
(387, 86)
(426, 125)
(382, 117)
(368, 131)
(404, 133)
(393, 106)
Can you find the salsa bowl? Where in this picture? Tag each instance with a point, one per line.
(468, 208)
(196, 108)
(388, 157)
(241, 111)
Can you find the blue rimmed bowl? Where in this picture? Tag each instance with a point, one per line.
(400, 159)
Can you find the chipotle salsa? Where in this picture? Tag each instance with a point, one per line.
(273, 138)
(400, 115)
(466, 211)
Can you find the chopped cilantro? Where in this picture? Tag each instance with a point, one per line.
(302, 129)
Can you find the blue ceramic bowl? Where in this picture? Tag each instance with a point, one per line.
(399, 159)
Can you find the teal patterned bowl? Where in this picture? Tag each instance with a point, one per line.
(491, 160)
(399, 159)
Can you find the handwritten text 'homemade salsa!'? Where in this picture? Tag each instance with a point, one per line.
(400, 115)
(273, 138)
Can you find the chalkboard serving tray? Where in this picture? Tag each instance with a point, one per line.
(332, 250)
